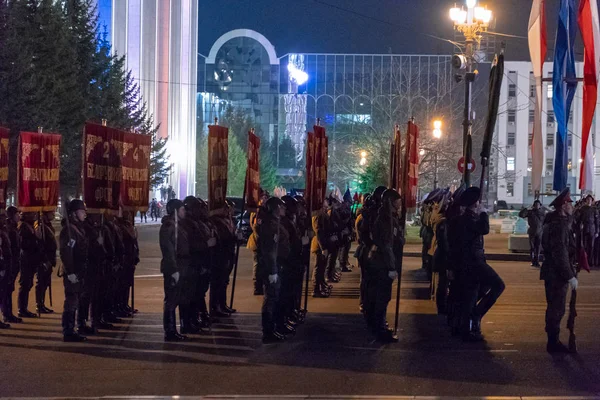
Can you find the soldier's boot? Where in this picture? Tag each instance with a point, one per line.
(4, 325)
(9, 317)
(186, 325)
(554, 345)
(171, 334)
(273, 337)
(223, 302)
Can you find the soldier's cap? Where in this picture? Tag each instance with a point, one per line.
(537, 202)
(390, 195)
(174, 205)
(434, 196)
(562, 198)
(12, 211)
(75, 205)
(377, 193)
(588, 196)
(470, 196)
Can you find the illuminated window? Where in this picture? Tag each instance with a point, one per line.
(510, 163)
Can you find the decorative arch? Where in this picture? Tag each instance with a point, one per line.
(249, 33)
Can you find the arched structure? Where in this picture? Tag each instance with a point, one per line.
(247, 33)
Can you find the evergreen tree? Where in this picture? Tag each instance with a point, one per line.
(201, 165)
(239, 123)
(236, 167)
(375, 174)
(287, 154)
(268, 171)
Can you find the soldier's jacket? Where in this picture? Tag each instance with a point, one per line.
(99, 247)
(535, 219)
(5, 252)
(587, 219)
(198, 242)
(114, 244)
(15, 246)
(272, 245)
(388, 239)
(225, 249)
(175, 248)
(559, 247)
(50, 246)
(295, 243)
(442, 255)
(131, 250)
(322, 227)
(470, 231)
(31, 244)
(73, 248)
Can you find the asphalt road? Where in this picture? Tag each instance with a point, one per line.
(331, 355)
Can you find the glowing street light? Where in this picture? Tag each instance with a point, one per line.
(437, 129)
(363, 158)
(297, 74)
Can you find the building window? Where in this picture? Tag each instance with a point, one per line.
(549, 164)
(531, 116)
(530, 138)
(569, 165)
(550, 91)
(510, 163)
(550, 139)
(548, 188)
(570, 139)
(512, 115)
(550, 116)
(512, 90)
(510, 139)
(571, 116)
(510, 189)
(532, 91)
(529, 190)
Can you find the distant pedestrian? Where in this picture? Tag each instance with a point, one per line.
(535, 218)
(143, 217)
(153, 210)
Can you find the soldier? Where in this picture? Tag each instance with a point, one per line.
(558, 269)
(12, 219)
(273, 247)
(292, 269)
(44, 275)
(440, 250)
(321, 246)
(480, 284)
(73, 254)
(364, 241)
(175, 248)
(385, 256)
(588, 221)
(114, 275)
(131, 258)
(32, 260)
(304, 228)
(334, 230)
(222, 261)
(535, 220)
(251, 245)
(347, 225)
(5, 268)
(205, 263)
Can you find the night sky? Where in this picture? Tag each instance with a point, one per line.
(313, 27)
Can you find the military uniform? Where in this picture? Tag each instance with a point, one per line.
(535, 220)
(222, 263)
(558, 268)
(292, 269)
(131, 258)
(44, 275)
(347, 226)
(363, 233)
(5, 267)
(74, 257)
(588, 221)
(322, 244)
(15, 267)
(32, 260)
(115, 272)
(176, 259)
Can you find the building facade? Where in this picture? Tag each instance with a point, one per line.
(511, 172)
(160, 39)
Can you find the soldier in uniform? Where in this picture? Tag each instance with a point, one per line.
(175, 248)
(251, 245)
(222, 261)
(73, 254)
(114, 276)
(334, 229)
(32, 260)
(304, 229)
(481, 285)
(588, 225)
(12, 220)
(347, 225)
(364, 241)
(44, 275)
(273, 247)
(131, 258)
(558, 269)
(206, 266)
(320, 247)
(535, 219)
(5, 267)
(292, 270)
(385, 256)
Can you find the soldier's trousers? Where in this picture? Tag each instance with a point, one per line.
(588, 244)
(218, 285)
(556, 299)
(91, 300)
(9, 288)
(364, 281)
(172, 296)
(331, 263)
(270, 306)
(379, 294)
(318, 278)
(441, 295)
(71, 304)
(25, 284)
(343, 254)
(290, 277)
(258, 283)
(482, 286)
(199, 302)
(535, 242)
(44, 275)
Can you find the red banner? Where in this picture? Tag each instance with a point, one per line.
(310, 170)
(102, 174)
(411, 166)
(253, 173)
(135, 167)
(396, 161)
(4, 149)
(217, 166)
(38, 171)
(320, 166)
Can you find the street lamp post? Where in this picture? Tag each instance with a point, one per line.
(471, 22)
(437, 133)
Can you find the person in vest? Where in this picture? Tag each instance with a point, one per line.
(74, 257)
(558, 270)
(535, 219)
(44, 275)
(12, 220)
(32, 260)
(385, 257)
(175, 248)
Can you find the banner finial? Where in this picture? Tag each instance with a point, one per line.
(40, 129)
(318, 121)
(216, 121)
(104, 121)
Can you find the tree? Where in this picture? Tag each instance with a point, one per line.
(239, 123)
(159, 162)
(201, 165)
(376, 173)
(236, 167)
(287, 154)
(268, 171)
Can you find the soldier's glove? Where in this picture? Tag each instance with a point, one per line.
(175, 277)
(334, 238)
(574, 283)
(212, 242)
(273, 278)
(304, 240)
(2, 273)
(72, 278)
(393, 275)
(240, 236)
